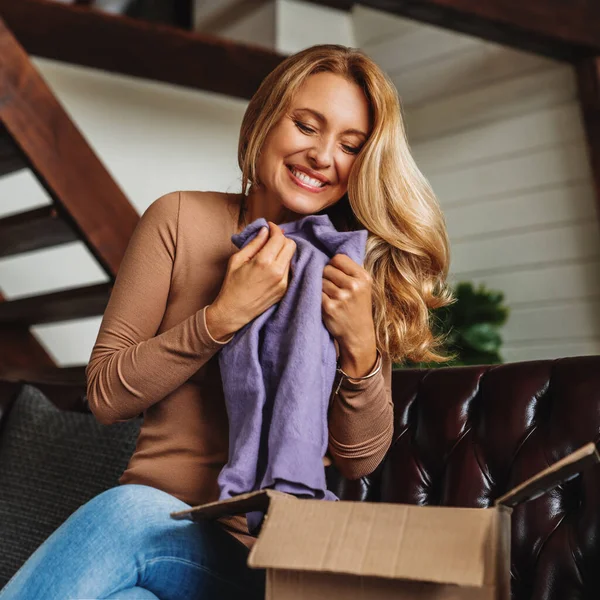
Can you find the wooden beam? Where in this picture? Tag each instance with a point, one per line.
(85, 194)
(76, 303)
(63, 376)
(118, 44)
(562, 29)
(33, 230)
(64, 386)
(588, 78)
(174, 12)
(19, 348)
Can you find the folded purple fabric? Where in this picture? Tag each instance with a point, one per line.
(278, 373)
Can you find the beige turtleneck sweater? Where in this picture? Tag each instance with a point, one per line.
(154, 355)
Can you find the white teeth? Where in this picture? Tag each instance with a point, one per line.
(304, 177)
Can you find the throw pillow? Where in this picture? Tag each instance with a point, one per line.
(51, 462)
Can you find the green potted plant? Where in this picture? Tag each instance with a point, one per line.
(470, 327)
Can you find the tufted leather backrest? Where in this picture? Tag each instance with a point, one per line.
(466, 435)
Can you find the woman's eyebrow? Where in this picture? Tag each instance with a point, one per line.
(321, 117)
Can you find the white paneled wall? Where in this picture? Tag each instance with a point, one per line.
(499, 135)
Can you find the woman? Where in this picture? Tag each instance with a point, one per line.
(323, 134)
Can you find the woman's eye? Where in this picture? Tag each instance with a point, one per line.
(304, 128)
(350, 149)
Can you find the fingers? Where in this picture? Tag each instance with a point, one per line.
(344, 263)
(329, 289)
(287, 252)
(269, 252)
(337, 276)
(253, 247)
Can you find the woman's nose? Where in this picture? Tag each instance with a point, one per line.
(320, 154)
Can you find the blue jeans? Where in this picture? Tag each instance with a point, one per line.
(123, 545)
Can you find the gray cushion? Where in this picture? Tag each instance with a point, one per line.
(52, 462)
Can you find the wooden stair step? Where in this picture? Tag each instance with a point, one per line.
(32, 230)
(63, 386)
(74, 375)
(19, 348)
(65, 305)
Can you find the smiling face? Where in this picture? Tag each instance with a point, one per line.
(305, 162)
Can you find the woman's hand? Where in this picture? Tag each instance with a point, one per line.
(347, 313)
(256, 278)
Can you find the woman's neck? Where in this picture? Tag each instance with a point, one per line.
(256, 205)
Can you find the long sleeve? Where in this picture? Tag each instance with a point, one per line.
(361, 423)
(131, 368)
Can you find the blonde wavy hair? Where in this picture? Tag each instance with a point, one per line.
(407, 253)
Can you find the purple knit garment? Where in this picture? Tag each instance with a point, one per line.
(278, 373)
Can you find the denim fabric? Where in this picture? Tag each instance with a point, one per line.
(124, 545)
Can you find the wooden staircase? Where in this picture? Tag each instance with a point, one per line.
(87, 204)
(37, 134)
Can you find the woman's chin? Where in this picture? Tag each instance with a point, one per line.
(301, 205)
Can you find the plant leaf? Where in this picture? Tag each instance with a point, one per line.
(483, 337)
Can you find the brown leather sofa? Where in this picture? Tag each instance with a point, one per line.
(466, 435)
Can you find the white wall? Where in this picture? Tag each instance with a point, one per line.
(206, 9)
(499, 135)
(257, 27)
(154, 138)
(300, 24)
(288, 26)
(110, 6)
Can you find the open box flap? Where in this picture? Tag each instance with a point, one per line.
(238, 505)
(418, 543)
(551, 477)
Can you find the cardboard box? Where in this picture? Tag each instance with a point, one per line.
(322, 550)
